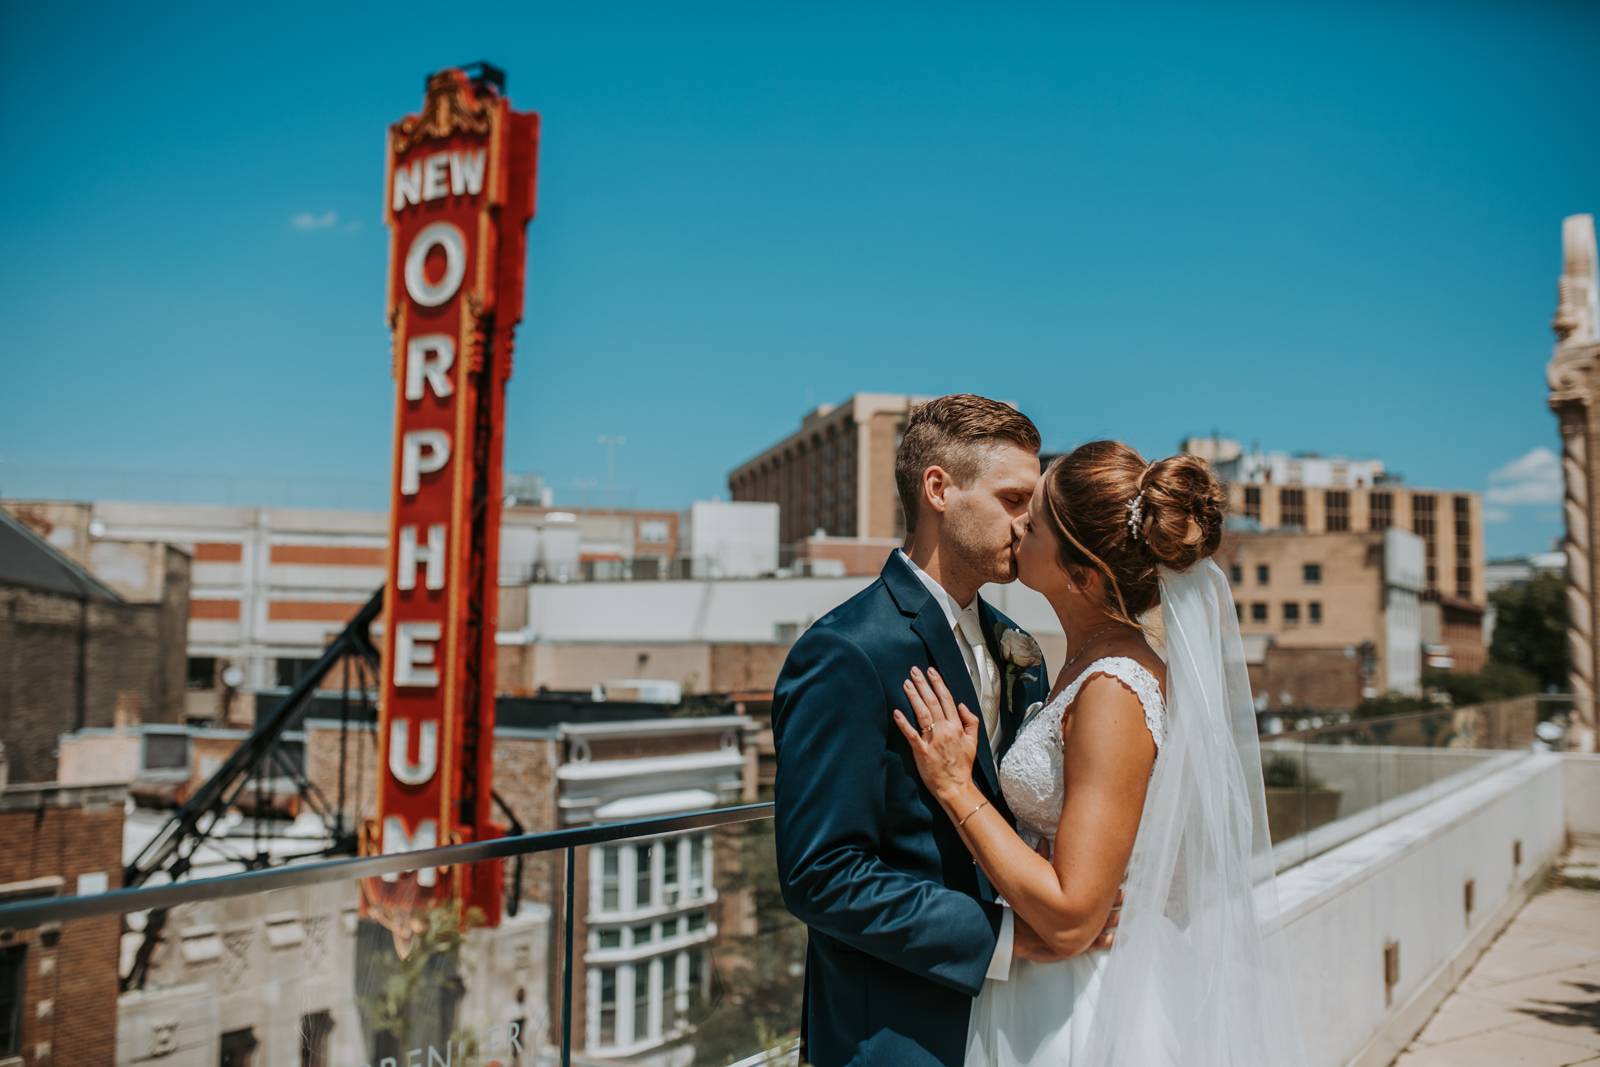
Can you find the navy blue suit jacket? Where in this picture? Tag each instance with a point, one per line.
(902, 923)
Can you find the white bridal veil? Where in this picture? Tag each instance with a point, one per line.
(1198, 974)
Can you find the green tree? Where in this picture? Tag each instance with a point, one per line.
(1530, 629)
(1391, 704)
(1497, 681)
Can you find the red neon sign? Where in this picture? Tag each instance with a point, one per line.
(459, 192)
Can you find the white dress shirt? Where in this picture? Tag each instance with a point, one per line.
(985, 676)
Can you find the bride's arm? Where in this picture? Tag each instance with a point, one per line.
(1108, 755)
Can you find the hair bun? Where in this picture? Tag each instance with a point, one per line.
(1183, 508)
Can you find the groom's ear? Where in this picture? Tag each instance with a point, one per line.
(936, 486)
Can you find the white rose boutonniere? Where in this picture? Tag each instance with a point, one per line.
(1020, 649)
(1021, 653)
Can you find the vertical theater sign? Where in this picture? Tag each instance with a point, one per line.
(459, 192)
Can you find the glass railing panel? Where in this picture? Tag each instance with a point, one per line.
(351, 971)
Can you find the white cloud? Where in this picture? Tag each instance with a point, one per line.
(1532, 478)
(1496, 515)
(308, 220)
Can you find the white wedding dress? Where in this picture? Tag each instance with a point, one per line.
(1199, 974)
(1041, 1015)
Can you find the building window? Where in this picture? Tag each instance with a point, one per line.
(608, 1006)
(643, 884)
(670, 887)
(697, 970)
(289, 670)
(1252, 502)
(610, 878)
(1291, 612)
(165, 751)
(1263, 574)
(1312, 573)
(641, 1000)
(643, 934)
(1236, 574)
(1314, 609)
(1292, 507)
(1238, 609)
(314, 1031)
(238, 1048)
(1382, 516)
(1423, 514)
(674, 1005)
(1337, 503)
(608, 939)
(1258, 613)
(697, 867)
(13, 972)
(202, 672)
(1464, 582)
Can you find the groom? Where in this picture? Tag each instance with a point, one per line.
(904, 928)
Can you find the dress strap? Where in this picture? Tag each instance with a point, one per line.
(1139, 681)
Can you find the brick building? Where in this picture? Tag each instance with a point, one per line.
(78, 652)
(58, 983)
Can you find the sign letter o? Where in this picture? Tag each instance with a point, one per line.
(448, 238)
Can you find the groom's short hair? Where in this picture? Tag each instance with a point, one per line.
(955, 432)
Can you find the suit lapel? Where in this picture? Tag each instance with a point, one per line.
(933, 627)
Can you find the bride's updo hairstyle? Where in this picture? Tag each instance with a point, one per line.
(1087, 493)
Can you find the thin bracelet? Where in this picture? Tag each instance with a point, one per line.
(971, 813)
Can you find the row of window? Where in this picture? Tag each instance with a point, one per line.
(645, 1001)
(1261, 611)
(643, 935)
(1310, 573)
(654, 874)
(1380, 510)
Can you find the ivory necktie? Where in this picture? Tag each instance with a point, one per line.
(987, 681)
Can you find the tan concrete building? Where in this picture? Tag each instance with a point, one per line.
(1328, 618)
(1449, 523)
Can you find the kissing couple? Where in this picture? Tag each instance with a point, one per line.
(998, 866)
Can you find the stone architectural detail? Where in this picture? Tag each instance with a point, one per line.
(1575, 399)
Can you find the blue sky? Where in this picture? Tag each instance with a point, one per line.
(1332, 228)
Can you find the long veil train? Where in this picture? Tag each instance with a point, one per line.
(1199, 975)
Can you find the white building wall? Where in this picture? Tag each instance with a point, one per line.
(739, 610)
(733, 539)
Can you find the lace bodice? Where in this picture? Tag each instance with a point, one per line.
(1030, 774)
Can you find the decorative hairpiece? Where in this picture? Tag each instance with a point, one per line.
(1135, 515)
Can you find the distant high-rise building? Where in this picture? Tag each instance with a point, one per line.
(835, 474)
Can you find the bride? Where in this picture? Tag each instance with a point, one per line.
(1135, 766)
